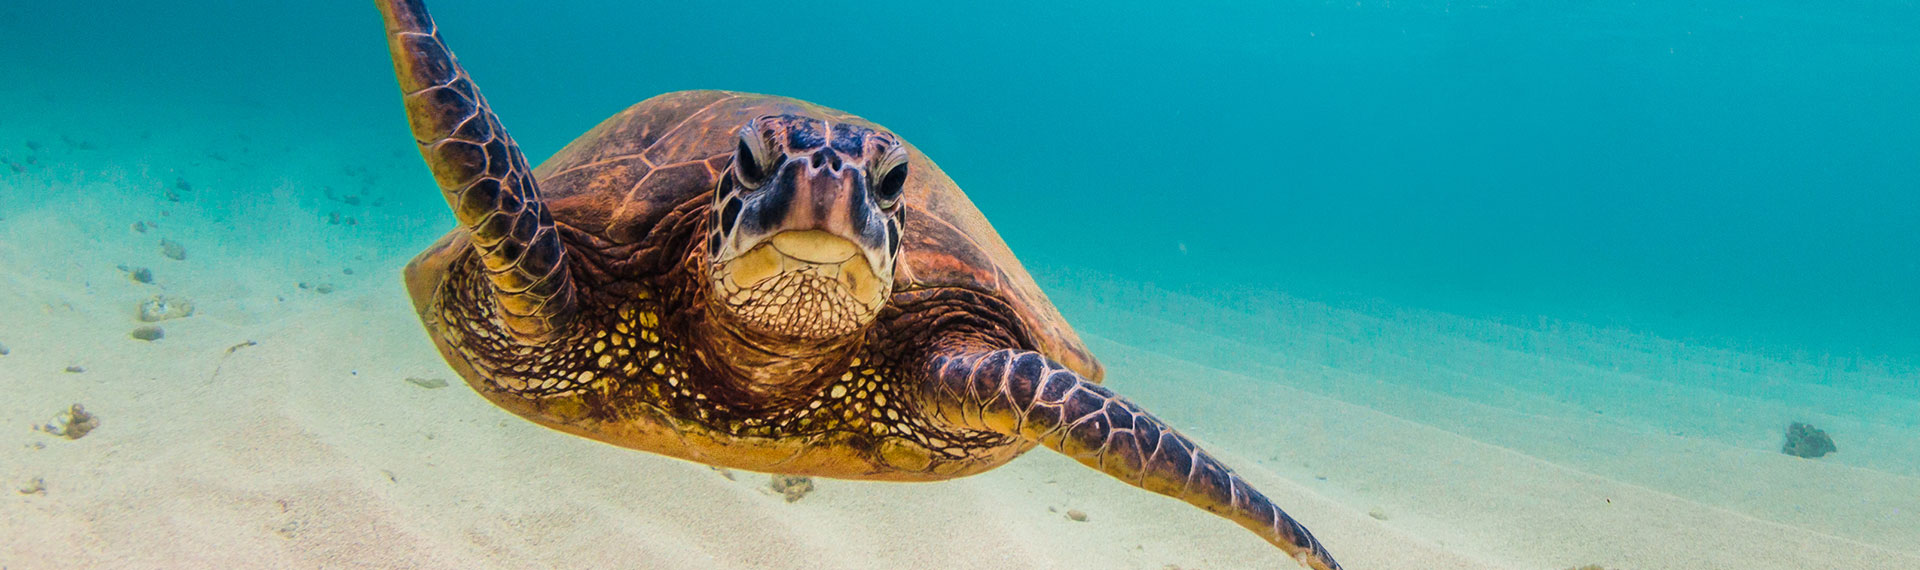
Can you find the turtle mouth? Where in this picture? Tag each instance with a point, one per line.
(802, 284)
(814, 246)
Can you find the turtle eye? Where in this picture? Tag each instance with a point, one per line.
(751, 165)
(893, 179)
(891, 185)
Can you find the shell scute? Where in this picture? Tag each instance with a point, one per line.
(630, 134)
(617, 181)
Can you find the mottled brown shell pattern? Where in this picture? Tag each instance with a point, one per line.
(620, 179)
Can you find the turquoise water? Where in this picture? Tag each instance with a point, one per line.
(1737, 172)
(1689, 211)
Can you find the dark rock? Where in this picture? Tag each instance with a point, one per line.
(1807, 441)
(140, 274)
(173, 249)
(148, 333)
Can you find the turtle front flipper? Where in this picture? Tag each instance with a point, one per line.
(482, 175)
(1026, 395)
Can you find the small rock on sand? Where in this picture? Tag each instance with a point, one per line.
(1804, 440)
(3, 349)
(165, 307)
(1076, 515)
(173, 250)
(148, 333)
(76, 369)
(1377, 513)
(792, 487)
(34, 486)
(71, 424)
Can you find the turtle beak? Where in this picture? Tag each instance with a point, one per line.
(816, 247)
(811, 251)
(810, 233)
(815, 212)
(824, 200)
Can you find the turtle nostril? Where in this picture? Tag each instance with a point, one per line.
(828, 159)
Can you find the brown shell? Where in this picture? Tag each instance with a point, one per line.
(620, 178)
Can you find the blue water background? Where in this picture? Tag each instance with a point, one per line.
(1743, 174)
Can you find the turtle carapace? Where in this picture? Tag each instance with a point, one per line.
(762, 283)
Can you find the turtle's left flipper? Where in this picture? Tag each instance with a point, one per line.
(1024, 394)
(484, 177)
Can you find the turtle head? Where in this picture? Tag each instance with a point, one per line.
(806, 228)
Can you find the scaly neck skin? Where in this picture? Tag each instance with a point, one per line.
(769, 369)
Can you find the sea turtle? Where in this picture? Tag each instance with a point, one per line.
(757, 282)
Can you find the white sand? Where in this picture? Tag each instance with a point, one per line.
(1484, 446)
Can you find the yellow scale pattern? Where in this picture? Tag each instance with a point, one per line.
(631, 357)
(586, 358)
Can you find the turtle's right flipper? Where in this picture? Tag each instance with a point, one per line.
(482, 175)
(1024, 394)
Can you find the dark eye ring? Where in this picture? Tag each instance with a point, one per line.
(891, 185)
(893, 178)
(751, 165)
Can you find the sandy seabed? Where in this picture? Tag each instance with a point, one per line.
(274, 428)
